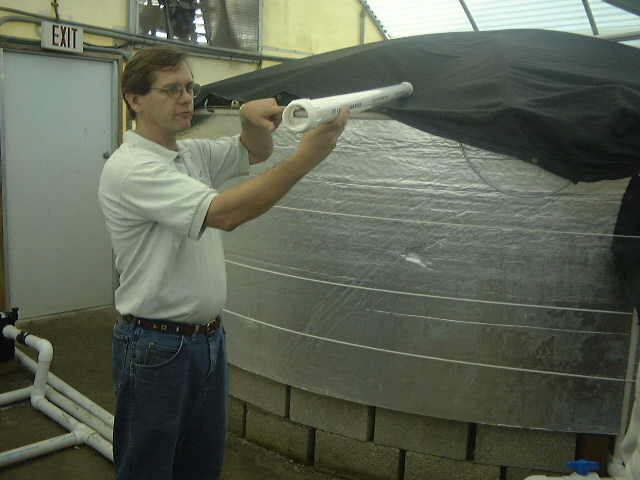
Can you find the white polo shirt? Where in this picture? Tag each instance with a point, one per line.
(155, 201)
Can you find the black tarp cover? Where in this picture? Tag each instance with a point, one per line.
(569, 103)
(626, 243)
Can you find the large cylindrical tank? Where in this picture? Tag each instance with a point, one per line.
(411, 273)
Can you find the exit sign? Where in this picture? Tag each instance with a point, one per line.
(57, 36)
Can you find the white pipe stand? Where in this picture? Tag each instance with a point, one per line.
(625, 463)
(87, 422)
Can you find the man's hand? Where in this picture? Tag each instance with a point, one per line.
(319, 142)
(259, 118)
(264, 113)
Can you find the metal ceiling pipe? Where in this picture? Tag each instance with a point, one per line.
(467, 12)
(140, 39)
(592, 20)
(621, 37)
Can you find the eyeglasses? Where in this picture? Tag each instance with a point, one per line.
(176, 91)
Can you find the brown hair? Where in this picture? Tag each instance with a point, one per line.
(140, 72)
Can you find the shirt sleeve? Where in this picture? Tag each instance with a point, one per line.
(198, 227)
(224, 158)
(158, 192)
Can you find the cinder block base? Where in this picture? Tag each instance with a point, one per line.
(357, 441)
(352, 458)
(331, 414)
(236, 416)
(422, 467)
(257, 390)
(522, 473)
(277, 434)
(517, 447)
(433, 436)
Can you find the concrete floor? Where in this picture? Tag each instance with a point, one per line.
(82, 358)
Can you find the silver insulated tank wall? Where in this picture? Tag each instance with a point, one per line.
(410, 273)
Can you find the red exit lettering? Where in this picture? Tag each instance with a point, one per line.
(63, 36)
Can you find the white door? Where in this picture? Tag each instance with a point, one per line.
(58, 119)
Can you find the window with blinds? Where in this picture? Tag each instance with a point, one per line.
(233, 24)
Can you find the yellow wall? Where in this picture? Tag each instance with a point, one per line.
(99, 13)
(290, 26)
(315, 26)
(209, 70)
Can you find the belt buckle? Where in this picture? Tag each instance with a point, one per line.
(211, 327)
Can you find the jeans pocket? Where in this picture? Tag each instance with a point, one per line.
(119, 350)
(159, 351)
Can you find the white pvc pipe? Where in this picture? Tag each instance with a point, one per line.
(36, 449)
(101, 445)
(15, 396)
(44, 347)
(68, 391)
(627, 450)
(616, 466)
(79, 413)
(88, 412)
(45, 355)
(573, 476)
(304, 114)
(82, 432)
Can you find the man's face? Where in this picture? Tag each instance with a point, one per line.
(160, 114)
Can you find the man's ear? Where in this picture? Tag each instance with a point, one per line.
(133, 99)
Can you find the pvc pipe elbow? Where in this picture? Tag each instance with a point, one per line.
(36, 397)
(44, 347)
(10, 331)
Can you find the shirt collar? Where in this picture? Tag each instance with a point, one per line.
(164, 153)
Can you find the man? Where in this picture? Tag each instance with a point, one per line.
(164, 217)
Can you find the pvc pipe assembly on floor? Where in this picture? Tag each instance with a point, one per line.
(72, 401)
(87, 422)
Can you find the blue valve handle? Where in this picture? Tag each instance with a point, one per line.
(583, 467)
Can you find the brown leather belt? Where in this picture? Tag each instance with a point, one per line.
(173, 327)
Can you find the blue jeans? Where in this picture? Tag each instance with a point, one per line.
(171, 419)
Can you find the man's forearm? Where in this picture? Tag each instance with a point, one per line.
(258, 141)
(254, 197)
